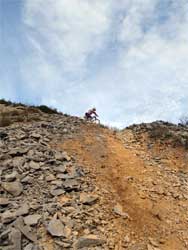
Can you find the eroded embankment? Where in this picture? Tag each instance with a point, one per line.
(157, 217)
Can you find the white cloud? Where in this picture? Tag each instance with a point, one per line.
(126, 57)
(69, 30)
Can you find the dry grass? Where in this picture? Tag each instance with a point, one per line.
(5, 119)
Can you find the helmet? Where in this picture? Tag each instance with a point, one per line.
(94, 109)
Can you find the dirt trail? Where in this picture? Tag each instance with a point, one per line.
(121, 171)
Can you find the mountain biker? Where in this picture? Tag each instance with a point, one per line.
(91, 114)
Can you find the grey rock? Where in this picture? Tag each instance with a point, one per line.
(18, 161)
(57, 191)
(36, 136)
(4, 201)
(23, 210)
(88, 199)
(25, 230)
(55, 227)
(27, 179)
(34, 165)
(63, 244)
(8, 217)
(118, 209)
(64, 176)
(30, 246)
(89, 241)
(31, 220)
(62, 156)
(60, 169)
(4, 235)
(12, 177)
(18, 151)
(15, 238)
(57, 183)
(15, 188)
(71, 184)
(50, 177)
(150, 247)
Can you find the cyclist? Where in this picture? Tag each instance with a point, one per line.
(91, 114)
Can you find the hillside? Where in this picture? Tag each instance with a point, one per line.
(68, 184)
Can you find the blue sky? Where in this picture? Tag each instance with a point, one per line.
(128, 58)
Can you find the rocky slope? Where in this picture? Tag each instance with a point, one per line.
(68, 184)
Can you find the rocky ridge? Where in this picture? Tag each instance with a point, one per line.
(68, 184)
(44, 193)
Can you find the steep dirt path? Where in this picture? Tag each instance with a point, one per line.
(121, 172)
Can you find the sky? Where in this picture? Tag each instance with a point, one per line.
(127, 58)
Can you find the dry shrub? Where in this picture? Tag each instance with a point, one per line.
(5, 119)
(46, 109)
(19, 118)
(15, 113)
(160, 133)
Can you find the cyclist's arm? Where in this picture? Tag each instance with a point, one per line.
(95, 114)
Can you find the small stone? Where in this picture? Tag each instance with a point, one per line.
(127, 239)
(50, 177)
(8, 217)
(23, 210)
(11, 177)
(88, 199)
(153, 242)
(64, 176)
(118, 209)
(150, 247)
(14, 188)
(57, 191)
(26, 230)
(18, 162)
(55, 227)
(57, 183)
(89, 241)
(71, 185)
(60, 169)
(18, 151)
(63, 244)
(30, 246)
(34, 165)
(36, 136)
(32, 220)
(27, 180)
(66, 157)
(15, 238)
(4, 201)
(67, 232)
(4, 235)
(62, 156)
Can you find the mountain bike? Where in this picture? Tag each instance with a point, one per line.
(92, 119)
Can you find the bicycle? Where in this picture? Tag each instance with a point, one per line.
(92, 119)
